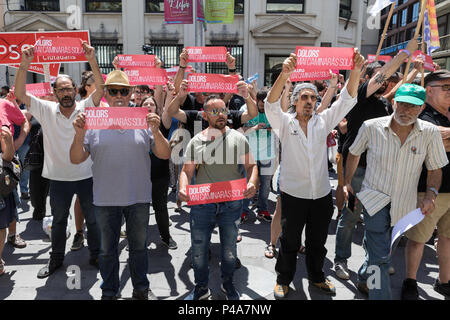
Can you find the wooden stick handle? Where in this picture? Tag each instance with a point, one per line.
(386, 26)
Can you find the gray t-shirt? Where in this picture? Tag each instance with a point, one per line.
(121, 166)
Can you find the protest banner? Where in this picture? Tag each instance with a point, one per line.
(324, 58)
(136, 61)
(207, 54)
(216, 192)
(300, 74)
(171, 72)
(428, 60)
(13, 43)
(207, 82)
(373, 57)
(219, 11)
(146, 76)
(39, 68)
(113, 118)
(178, 11)
(39, 89)
(51, 49)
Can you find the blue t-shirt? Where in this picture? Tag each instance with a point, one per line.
(121, 166)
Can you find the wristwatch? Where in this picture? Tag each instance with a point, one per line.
(436, 193)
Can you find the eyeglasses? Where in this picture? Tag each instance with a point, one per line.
(123, 92)
(215, 112)
(305, 97)
(445, 87)
(64, 90)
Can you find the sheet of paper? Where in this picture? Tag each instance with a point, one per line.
(406, 223)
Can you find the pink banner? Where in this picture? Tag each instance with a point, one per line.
(136, 61)
(371, 58)
(324, 58)
(207, 54)
(113, 118)
(304, 75)
(428, 60)
(200, 12)
(178, 11)
(39, 89)
(52, 49)
(148, 76)
(171, 72)
(39, 68)
(216, 192)
(207, 82)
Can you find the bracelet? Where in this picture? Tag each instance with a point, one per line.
(232, 70)
(183, 67)
(405, 51)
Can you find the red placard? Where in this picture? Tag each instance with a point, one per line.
(146, 76)
(13, 43)
(116, 118)
(207, 82)
(207, 54)
(136, 61)
(216, 192)
(428, 60)
(39, 68)
(304, 75)
(371, 58)
(324, 58)
(171, 72)
(51, 49)
(39, 89)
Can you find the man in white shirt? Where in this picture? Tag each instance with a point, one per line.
(66, 179)
(304, 184)
(397, 146)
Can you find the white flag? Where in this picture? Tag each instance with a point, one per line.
(379, 5)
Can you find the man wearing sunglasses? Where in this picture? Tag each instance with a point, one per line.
(66, 179)
(437, 106)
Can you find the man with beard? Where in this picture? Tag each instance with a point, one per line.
(370, 105)
(397, 146)
(66, 179)
(208, 156)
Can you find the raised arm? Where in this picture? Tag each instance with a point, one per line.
(77, 152)
(288, 67)
(184, 58)
(252, 109)
(328, 96)
(161, 147)
(166, 118)
(89, 52)
(173, 109)
(21, 76)
(418, 67)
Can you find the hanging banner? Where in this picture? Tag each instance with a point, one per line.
(113, 118)
(219, 11)
(136, 61)
(146, 76)
(431, 28)
(207, 82)
(39, 68)
(300, 74)
(178, 11)
(324, 58)
(216, 192)
(200, 11)
(207, 54)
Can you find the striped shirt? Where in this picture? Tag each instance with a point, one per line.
(393, 170)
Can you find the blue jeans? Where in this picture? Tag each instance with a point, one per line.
(61, 194)
(25, 177)
(348, 221)
(203, 219)
(109, 220)
(264, 188)
(377, 243)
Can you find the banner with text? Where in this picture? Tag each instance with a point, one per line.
(51, 49)
(146, 76)
(171, 72)
(13, 43)
(207, 54)
(39, 89)
(216, 192)
(324, 58)
(300, 74)
(428, 60)
(219, 11)
(136, 61)
(372, 57)
(178, 11)
(39, 68)
(113, 118)
(207, 82)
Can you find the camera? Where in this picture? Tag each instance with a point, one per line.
(148, 49)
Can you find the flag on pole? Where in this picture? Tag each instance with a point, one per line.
(379, 5)
(431, 28)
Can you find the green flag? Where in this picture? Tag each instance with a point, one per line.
(219, 11)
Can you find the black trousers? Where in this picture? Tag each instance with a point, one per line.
(160, 187)
(295, 214)
(39, 188)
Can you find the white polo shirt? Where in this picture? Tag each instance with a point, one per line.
(58, 137)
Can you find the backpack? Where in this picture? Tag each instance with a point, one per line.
(10, 172)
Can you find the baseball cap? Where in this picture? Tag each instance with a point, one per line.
(411, 93)
(117, 78)
(437, 76)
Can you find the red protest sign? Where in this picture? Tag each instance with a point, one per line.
(13, 43)
(207, 54)
(428, 60)
(51, 49)
(136, 61)
(171, 72)
(304, 75)
(39, 89)
(112, 118)
(372, 58)
(146, 76)
(39, 68)
(324, 58)
(216, 192)
(207, 82)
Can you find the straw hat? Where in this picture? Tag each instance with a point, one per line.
(117, 78)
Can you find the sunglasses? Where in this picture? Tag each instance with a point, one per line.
(445, 87)
(215, 112)
(305, 97)
(141, 92)
(123, 92)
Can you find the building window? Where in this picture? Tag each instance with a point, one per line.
(104, 6)
(416, 9)
(105, 51)
(48, 5)
(168, 51)
(239, 6)
(154, 6)
(282, 6)
(404, 17)
(394, 21)
(345, 9)
(236, 51)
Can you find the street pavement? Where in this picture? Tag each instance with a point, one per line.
(170, 274)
